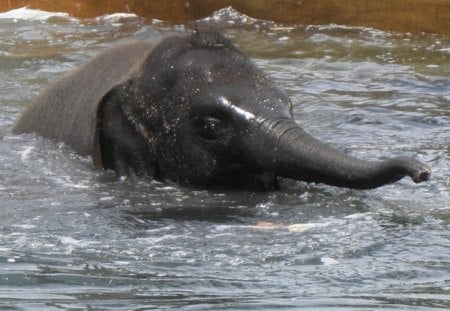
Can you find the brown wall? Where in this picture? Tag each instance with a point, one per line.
(398, 15)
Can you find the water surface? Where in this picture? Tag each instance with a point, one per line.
(72, 238)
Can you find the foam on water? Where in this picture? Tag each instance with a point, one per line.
(116, 17)
(28, 14)
(25, 155)
(25, 13)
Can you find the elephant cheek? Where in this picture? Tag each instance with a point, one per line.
(195, 167)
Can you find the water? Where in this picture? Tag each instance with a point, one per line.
(72, 238)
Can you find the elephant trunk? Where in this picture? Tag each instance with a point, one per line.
(285, 149)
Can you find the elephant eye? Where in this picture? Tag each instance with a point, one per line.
(210, 128)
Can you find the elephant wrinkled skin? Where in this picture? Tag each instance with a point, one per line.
(194, 110)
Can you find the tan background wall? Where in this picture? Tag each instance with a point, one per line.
(398, 15)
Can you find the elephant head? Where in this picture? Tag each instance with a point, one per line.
(209, 117)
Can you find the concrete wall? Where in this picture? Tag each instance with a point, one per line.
(398, 15)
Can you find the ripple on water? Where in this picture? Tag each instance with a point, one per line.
(72, 238)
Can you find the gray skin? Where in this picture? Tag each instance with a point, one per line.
(195, 111)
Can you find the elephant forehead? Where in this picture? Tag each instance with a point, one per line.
(232, 81)
(212, 66)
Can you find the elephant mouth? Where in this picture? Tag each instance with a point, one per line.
(238, 176)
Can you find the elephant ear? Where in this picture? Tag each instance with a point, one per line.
(124, 99)
(68, 111)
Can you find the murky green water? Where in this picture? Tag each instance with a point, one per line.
(72, 238)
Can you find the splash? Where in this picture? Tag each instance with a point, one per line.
(32, 15)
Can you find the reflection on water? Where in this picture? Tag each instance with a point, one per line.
(72, 238)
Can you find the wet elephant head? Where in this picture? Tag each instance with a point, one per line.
(198, 112)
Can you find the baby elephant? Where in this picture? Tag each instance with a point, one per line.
(194, 110)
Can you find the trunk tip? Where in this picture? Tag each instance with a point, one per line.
(422, 174)
(418, 171)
